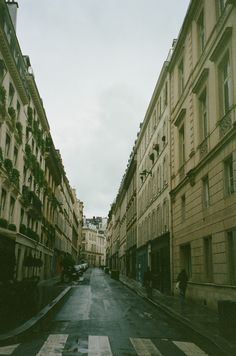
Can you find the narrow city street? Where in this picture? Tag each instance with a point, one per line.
(103, 317)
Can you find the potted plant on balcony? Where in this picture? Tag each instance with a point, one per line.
(3, 223)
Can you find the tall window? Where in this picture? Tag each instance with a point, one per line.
(229, 175)
(15, 156)
(203, 113)
(201, 32)
(3, 202)
(166, 94)
(3, 70)
(186, 259)
(181, 76)
(232, 256)
(18, 110)
(183, 207)
(165, 216)
(206, 192)
(164, 171)
(222, 6)
(11, 93)
(225, 85)
(181, 145)
(207, 245)
(7, 145)
(12, 210)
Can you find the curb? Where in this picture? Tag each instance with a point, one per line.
(223, 346)
(12, 335)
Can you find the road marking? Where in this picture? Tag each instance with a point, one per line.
(144, 347)
(53, 346)
(99, 346)
(189, 348)
(8, 350)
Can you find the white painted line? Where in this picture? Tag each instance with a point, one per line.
(144, 347)
(99, 346)
(53, 346)
(189, 348)
(8, 350)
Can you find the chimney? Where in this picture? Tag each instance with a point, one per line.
(12, 8)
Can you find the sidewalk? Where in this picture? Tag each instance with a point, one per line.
(50, 293)
(197, 317)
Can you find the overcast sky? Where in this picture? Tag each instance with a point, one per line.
(96, 63)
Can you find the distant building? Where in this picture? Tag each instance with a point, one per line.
(93, 248)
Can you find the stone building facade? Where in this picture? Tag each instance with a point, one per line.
(186, 161)
(38, 209)
(203, 150)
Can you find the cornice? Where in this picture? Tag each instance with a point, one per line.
(37, 101)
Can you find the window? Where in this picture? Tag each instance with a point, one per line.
(201, 32)
(185, 259)
(7, 145)
(18, 109)
(3, 202)
(232, 256)
(203, 115)
(11, 94)
(12, 209)
(15, 156)
(164, 171)
(225, 85)
(3, 70)
(207, 246)
(181, 145)
(222, 4)
(183, 207)
(229, 176)
(166, 94)
(206, 192)
(181, 76)
(165, 216)
(22, 214)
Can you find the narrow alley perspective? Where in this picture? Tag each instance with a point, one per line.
(118, 178)
(101, 316)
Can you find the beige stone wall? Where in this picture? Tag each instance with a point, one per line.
(203, 156)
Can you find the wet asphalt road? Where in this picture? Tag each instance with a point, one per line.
(103, 317)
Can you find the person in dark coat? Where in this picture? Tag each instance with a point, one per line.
(182, 281)
(148, 282)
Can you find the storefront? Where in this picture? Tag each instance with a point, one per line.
(160, 263)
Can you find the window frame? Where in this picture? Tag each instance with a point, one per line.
(205, 192)
(201, 31)
(229, 178)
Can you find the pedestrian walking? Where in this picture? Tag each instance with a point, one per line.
(148, 282)
(182, 282)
